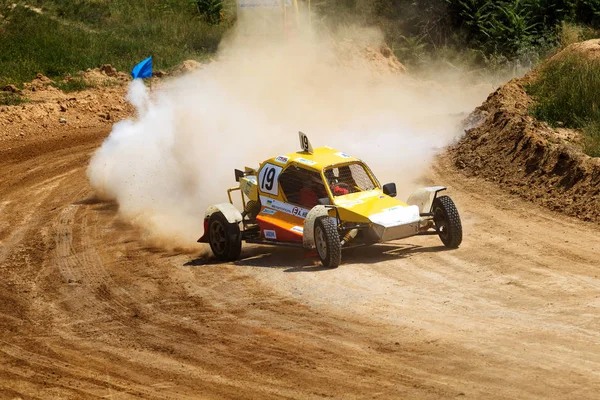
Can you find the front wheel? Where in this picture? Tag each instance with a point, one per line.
(327, 241)
(225, 238)
(447, 222)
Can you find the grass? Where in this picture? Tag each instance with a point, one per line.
(568, 91)
(11, 99)
(73, 85)
(591, 141)
(70, 36)
(570, 33)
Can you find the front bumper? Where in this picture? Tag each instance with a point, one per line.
(395, 223)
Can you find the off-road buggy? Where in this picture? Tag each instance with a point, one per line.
(323, 199)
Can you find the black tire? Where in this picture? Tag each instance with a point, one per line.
(447, 222)
(225, 239)
(327, 242)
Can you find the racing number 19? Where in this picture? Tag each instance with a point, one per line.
(305, 143)
(268, 180)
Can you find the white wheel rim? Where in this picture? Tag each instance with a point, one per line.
(320, 242)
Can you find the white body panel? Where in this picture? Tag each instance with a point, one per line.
(231, 213)
(422, 197)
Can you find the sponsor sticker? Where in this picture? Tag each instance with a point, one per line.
(343, 155)
(270, 234)
(268, 211)
(351, 204)
(305, 161)
(248, 188)
(284, 207)
(298, 229)
(282, 159)
(393, 209)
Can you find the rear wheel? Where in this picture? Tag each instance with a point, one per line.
(447, 222)
(225, 238)
(327, 241)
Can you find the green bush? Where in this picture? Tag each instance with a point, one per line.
(567, 91)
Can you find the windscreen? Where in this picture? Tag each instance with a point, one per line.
(349, 178)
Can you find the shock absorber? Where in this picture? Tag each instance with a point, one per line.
(349, 236)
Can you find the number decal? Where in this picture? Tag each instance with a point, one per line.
(305, 143)
(268, 179)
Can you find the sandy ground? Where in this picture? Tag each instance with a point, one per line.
(89, 311)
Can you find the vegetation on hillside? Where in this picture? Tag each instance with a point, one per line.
(56, 37)
(485, 32)
(59, 37)
(567, 93)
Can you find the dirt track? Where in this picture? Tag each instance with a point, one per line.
(88, 311)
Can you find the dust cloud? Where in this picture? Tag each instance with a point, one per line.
(167, 165)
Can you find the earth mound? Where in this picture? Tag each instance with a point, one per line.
(506, 145)
(46, 109)
(589, 49)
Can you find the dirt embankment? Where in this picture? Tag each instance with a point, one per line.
(47, 109)
(506, 145)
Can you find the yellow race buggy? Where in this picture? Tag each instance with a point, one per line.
(325, 199)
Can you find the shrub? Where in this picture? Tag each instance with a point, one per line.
(567, 90)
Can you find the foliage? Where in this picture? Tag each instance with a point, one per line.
(568, 91)
(591, 140)
(211, 10)
(519, 31)
(72, 35)
(11, 99)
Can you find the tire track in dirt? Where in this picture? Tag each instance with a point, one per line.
(514, 313)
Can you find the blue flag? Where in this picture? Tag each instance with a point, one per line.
(143, 69)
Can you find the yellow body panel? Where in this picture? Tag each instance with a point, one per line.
(358, 207)
(320, 159)
(354, 207)
(249, 187)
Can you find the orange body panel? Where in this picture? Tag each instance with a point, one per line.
(280, 226)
